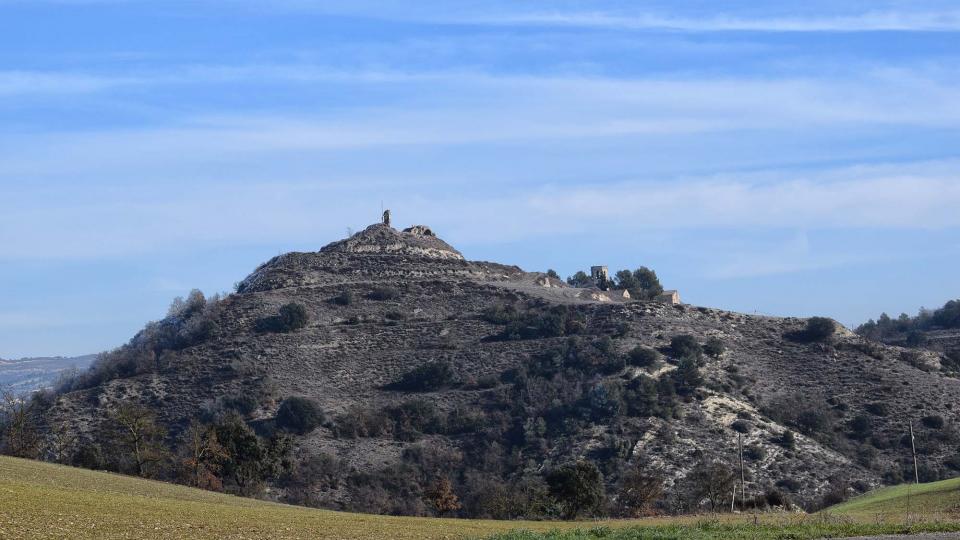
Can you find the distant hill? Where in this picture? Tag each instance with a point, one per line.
(28, 374)
(385, 373)
(931, 329)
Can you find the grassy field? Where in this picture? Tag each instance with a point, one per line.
(908, 501)
(41, 500)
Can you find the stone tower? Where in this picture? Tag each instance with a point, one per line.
(600, 276)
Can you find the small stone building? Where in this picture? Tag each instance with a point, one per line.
(669, 297)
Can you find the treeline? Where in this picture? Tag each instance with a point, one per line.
(909, 328)
(224, 454)
(189, 322)
(642, 283)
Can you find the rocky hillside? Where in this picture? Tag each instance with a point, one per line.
(436, 376)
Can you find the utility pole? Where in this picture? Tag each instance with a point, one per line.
(913, 449)
(743, 488)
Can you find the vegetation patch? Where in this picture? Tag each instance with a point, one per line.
(299, 415)
(292, 317)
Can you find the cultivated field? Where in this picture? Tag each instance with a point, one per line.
(909, 501)
(41, 500)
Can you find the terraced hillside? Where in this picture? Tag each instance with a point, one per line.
(440, 376)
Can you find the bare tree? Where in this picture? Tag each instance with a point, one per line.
(639, 490)
(202, 456)
(62, 442)
(711, 482)
(139, 437)
(442, 497)
(19, 430)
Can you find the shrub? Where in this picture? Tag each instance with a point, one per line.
(754, 452)
(551, 273)
(685, 346)
(819, 329)
(292, 317)
(741, 426)
(243, 403)
(951, 361)
(787, 440)
(605, 400)
(580, 279)
(578, 488)
(861, 426)
(413, 418)
(686, 377)
(425, 378)
(384, 293)
(916, 338)
(949, 315)
(877, 408)
(345, 298)
(500, 314)
(575, 354)
(534, 324)
(932, 421)
(361, 422)
(714, 347)
(642, 356)
(299, 415)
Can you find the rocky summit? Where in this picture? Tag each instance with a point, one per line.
(386, 373)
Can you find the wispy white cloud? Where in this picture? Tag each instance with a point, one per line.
(444, 108)
(873, 16)
(831, 17)
(31, 83)
(784, 257)
(912, 196)
(872, 21)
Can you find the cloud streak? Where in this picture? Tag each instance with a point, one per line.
(908, 196)
(872, 21)
(455, 108)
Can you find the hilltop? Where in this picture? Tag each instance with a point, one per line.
(935, 330)
(386, 373)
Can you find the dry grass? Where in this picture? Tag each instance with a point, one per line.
(935, 500)
(42, 500)
(46, 501)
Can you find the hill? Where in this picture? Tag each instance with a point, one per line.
(29, 374)
(385, 373)
(936, 330)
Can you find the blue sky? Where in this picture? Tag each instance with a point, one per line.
(760, 156)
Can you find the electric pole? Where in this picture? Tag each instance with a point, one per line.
(743, 488)
(913, 449)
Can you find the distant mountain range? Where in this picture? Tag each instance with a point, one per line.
(29, 374)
